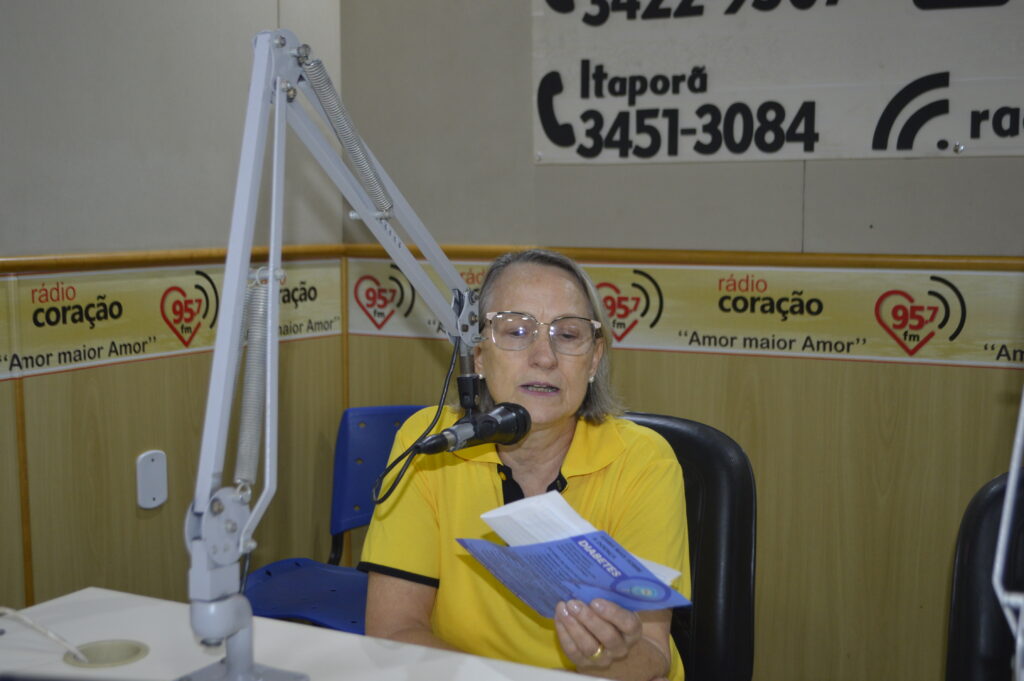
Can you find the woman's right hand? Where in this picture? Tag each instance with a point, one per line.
(604, 639)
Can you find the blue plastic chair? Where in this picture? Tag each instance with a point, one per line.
(327, 594)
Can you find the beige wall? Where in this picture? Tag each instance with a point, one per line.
(126, 128)
(447, 107)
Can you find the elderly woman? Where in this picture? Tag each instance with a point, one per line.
(545, 348)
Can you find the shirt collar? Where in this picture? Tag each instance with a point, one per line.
(593, 448)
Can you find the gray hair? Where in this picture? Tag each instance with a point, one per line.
(600, 401)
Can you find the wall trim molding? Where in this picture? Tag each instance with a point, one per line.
(126, 259)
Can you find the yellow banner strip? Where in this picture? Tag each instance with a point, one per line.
(950, 317)
(75, 320)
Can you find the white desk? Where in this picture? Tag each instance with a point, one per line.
(95, 614)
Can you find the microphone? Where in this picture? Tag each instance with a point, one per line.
(506, 424)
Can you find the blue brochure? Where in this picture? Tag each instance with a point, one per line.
(583, 567)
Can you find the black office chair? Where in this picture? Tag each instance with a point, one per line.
(715, 636)
(980, 645)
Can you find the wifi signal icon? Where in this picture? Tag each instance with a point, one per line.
(948, 313)
(913, 124)
(207, 304)
(401, 291)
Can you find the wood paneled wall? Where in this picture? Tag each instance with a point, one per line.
(397, 370)
(85, 428)
(863, 471)
(12, 577)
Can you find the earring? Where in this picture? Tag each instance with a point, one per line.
(590, 380)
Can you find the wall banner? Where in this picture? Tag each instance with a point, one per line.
(70, 320)
(909, 316)
(627, 81)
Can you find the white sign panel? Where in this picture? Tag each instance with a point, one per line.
(627, 81)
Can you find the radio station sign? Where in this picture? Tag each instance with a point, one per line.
(626, 81)
(55, 322)
(910, 316)
(382, 302)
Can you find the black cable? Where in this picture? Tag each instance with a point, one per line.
(409, 454)
(246, 558)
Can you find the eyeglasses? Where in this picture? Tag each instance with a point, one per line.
(518, 330)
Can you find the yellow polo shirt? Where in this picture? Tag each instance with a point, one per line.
(622, 477)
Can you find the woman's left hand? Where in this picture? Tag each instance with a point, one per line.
(595, 636)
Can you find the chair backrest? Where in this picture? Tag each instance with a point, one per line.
(715, 636)
(365, 436)
(980, 645)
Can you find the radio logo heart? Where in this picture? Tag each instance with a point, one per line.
(185, 312)
(912, 321)
(380, 300)
(632, 302)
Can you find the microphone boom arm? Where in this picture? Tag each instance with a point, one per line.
(219, 524)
